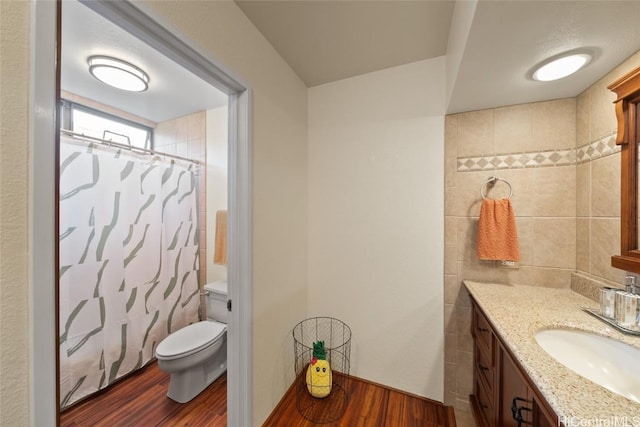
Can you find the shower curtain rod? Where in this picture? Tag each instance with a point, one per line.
(125, 146)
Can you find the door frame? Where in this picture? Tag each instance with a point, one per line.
(44, 136)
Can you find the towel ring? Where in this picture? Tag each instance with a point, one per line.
(491, 181)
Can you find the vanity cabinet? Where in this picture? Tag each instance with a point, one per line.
(503, 394)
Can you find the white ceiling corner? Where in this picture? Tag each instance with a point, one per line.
(324, 41)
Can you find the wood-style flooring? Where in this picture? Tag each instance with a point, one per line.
(367, 405)
(140, 400)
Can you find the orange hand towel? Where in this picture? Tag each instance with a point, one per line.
(220, 251)
(497, 234)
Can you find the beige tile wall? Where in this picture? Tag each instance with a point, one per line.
(544, 201)
(186, 137)
(567, 214)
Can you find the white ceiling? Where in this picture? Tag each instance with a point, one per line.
(507, 38)
(491, 47)
(324, 41)
(173, 91)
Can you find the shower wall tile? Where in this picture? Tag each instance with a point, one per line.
(451, 288)
(450, 348)
(583, 244)
(467, 238)
(524, 227)
(605, 186)
(475, 133)
(450, 259)
(554, 124)
(603, 117)
(513, 129)
(450, 201)
(583, 118)
(450, 319)
(450, 230)
(554, 192)
(464, 373)
(552, 277)
(451, 137)
(583, 190)
(554, 242)
(605, 241)
(450, 174)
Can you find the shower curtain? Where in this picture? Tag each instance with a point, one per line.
(128, 266)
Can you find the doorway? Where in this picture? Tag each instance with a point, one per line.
(144, 27)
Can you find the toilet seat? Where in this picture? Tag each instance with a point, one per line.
(190, 339)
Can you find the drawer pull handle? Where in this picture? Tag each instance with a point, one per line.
(516, 411)
(518, 417)
(482, 368)
(482, 329)
(514, 406)
(482, 405)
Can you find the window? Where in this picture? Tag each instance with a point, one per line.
(98, 124)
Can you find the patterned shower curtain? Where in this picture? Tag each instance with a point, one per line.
(128, 261)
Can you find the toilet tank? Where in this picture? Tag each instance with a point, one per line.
(217, 301)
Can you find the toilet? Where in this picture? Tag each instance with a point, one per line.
(197, 354)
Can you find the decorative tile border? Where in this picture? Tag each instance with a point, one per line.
(604, 146)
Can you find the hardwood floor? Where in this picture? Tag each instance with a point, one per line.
(140, 400)
(368, 405)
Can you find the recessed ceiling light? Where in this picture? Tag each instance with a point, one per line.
(561, 67)
(118, 73)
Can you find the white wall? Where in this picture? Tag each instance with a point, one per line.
(376, 220)
(217, 173)
(220, 30)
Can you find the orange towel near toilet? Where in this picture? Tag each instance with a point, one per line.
(497, 234)
(220, 249)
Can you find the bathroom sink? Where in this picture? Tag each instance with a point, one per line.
(607, 362)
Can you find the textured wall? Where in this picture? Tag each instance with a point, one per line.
(222, 31)
(14, 191)
(376, 204)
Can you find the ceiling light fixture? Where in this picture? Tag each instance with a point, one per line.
(118, 73)
(560, 67)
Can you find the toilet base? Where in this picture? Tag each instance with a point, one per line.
(186, 384)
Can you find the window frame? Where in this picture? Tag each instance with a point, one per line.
(67, 107)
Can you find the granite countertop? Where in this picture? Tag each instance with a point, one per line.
(517, 312)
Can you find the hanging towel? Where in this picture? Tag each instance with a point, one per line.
(497, 234)
(220, 251)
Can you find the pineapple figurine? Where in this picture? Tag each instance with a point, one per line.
(319, 372)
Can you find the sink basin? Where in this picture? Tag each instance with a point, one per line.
(607, 362)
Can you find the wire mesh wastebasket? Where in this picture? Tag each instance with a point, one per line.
(336, 336)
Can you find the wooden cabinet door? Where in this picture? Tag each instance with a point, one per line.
(540, 417)
(513, 395)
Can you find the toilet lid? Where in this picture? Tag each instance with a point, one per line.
(190, 339)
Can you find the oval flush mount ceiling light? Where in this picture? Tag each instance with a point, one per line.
(118, 73)
(561, 67)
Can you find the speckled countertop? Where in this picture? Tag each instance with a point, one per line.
(518, 312)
